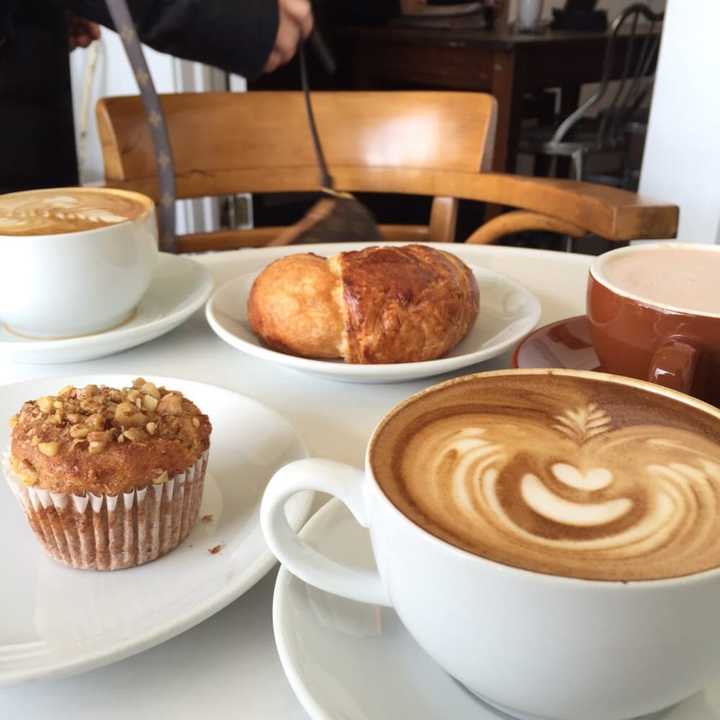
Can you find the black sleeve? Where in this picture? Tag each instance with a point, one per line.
(235, 35)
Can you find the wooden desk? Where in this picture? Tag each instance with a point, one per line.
(505, 64)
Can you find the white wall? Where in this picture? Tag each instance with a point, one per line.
(682, 152)
(112, 76)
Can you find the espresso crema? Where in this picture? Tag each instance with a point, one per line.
(558, 474)
(65, 210)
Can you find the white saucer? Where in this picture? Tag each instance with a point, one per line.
(508, 312)
(56, 621)
(179, 287)
(348, 660)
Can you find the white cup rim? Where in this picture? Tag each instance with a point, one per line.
(622, 585)
(597, 272)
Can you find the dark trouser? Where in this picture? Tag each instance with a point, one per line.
(37, 140)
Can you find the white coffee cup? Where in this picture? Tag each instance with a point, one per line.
(57, 281)
(537, 646)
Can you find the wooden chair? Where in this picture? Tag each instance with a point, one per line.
(437, 144)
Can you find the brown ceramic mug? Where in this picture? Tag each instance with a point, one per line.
(654, 312)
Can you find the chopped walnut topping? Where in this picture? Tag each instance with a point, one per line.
(49, 448)
(89, 391)
(170, 404)
(25, 471)
(96, 447)
(149, 402)
(96, 421)
(96, 417)
(101, 436)
(45, 404)
(150, 389)
(135, 434)
(13, 421)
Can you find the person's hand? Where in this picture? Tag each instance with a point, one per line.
(81, 32)
(295, 24)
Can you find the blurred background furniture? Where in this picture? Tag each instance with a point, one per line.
(461, 55)
(424, 143)
(613, 120)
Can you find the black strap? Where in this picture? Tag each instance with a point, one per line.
(326, 180)
(156, 120)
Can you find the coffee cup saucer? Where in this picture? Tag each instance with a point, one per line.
(356, 661)
(562, 344)
(178, 288)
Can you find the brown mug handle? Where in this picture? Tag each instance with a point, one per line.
(674, 365)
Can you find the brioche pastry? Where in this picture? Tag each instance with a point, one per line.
(379, 305)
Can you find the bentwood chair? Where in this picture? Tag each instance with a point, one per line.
(582, 133)
(436, 144)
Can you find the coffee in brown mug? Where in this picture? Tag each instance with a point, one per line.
(654, 313)
(559, 474)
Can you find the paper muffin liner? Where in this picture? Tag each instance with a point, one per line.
(113, 532)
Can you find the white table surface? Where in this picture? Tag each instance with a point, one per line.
(227, 666)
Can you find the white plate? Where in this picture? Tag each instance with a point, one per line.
(179, 287)
(56, 621)
(508, 312)
(348, 660)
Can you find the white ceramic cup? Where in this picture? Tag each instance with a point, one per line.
(77, 283)
(533, 645)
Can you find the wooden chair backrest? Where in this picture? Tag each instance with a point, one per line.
(437, 144)
(227, 143)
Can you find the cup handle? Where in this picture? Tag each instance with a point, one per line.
(674, 365)
(347, 484)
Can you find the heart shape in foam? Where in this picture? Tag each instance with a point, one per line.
(594, 479)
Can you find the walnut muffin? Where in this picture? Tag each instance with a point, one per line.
(109, 478)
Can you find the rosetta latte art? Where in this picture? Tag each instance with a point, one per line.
(574, 496)
(67, 210)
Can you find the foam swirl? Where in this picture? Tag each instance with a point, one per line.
(50, 212)
(573, 496)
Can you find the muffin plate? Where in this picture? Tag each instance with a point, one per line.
(57, 621)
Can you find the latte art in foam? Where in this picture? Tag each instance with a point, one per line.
(63, 210)
(575, 493)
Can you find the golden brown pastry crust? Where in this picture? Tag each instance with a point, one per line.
(78, 441)
(293, 306)
(378, 305)
(405, 304)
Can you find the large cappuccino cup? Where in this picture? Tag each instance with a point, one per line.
(518, 552)
(74, 261)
